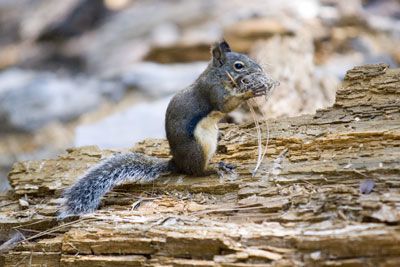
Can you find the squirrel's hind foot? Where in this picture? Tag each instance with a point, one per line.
(226, 171)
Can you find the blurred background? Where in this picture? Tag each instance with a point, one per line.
(101, 72)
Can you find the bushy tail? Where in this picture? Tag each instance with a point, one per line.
(85, 195)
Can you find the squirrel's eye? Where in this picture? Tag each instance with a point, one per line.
(238, 65)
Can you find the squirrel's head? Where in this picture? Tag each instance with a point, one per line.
(240, 71)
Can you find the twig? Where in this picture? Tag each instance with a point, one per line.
(231, 78)
(54, 229)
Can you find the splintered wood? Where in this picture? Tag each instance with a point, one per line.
(328, 194)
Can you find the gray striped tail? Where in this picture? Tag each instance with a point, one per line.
(85, 195)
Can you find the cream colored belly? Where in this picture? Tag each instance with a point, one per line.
(206, 134)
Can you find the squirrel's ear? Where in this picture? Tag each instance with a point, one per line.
(225, 46)
(218, 51)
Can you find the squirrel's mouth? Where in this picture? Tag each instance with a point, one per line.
(258, 82)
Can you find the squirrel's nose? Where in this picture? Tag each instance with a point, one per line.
(246, 80)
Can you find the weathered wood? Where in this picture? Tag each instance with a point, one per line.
(304, 207)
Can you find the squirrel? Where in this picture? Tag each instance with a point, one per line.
(191, 128)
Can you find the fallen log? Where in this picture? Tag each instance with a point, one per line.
(328, 194)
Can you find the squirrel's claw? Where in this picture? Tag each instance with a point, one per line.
(226, 167)
(227, 171)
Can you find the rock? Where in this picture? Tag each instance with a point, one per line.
(29, 100)
(161, 79)
(84, 16)
(243, 34)
(123, 40)
(8, 56)
(194, 45)
(179, 52)
(10, 15)
(36, 16)
(383, 15)
(191, 45)
(361, 49)
(129, 126)
(165, 34)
